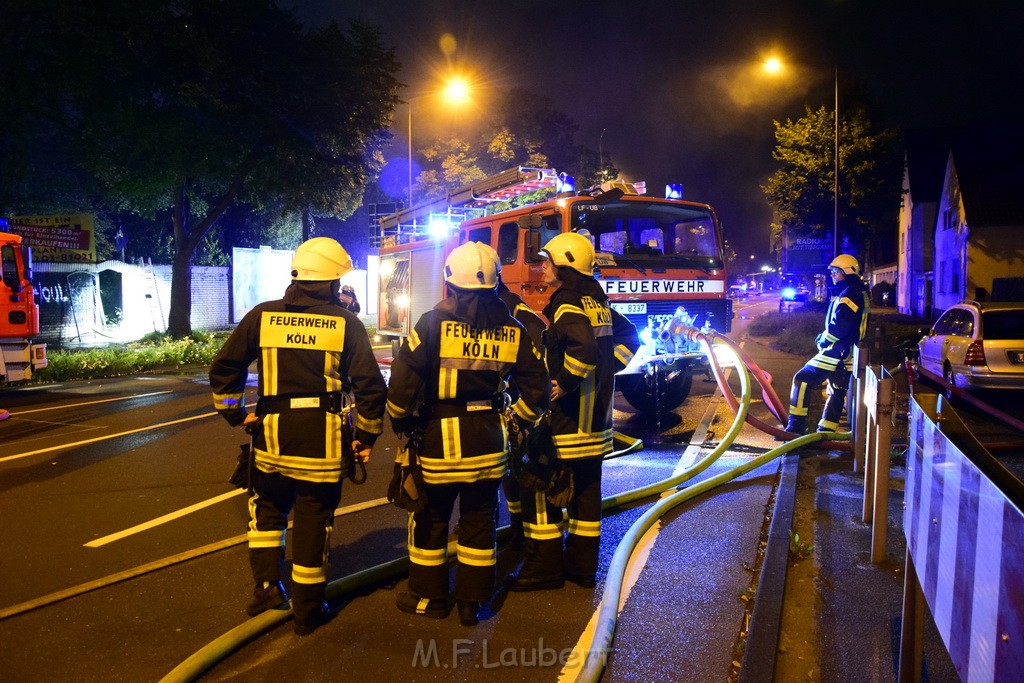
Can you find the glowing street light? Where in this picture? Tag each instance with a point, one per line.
(772, 66)
(455, 92)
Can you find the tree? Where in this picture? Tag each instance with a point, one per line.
(801, 191)
(526, 129)
(189, 106)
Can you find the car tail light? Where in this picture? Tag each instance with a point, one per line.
(975, 354)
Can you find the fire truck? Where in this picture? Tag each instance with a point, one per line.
(19, 314)
(660, 261)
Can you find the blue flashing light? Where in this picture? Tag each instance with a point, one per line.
(674, 191)
(789, 293)
(566, 183)
(439, 226)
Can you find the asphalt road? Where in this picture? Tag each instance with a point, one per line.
(125, 552)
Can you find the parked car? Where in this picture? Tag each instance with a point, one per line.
(977, 346)
(793, 291)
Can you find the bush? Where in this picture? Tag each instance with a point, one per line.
(153, 352)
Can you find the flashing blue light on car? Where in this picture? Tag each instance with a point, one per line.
(674, 191)
(566, 183)
(789, 293)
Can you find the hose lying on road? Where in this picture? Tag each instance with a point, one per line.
(771, 399)
(593, 665)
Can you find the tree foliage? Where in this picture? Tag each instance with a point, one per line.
(179, 109)
(800, 192)
(524, 129)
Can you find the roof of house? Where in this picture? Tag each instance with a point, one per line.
(989, 164)
(990, 169)
(927, 154)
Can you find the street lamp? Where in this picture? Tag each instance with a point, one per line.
(773, 66)
(455, 91)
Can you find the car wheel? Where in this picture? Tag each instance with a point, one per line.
(660, 392)
(947, 374)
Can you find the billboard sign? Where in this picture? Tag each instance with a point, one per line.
(59, 238)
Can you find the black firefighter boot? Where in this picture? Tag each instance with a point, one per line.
(266, 595)
(309, 608)
(797, 424)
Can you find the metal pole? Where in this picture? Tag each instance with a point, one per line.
(409, 137)
(835, 186)
(883, 443)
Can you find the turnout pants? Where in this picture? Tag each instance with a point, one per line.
(476, 546)
(810, 377)
(274, 496)
(513, 496)
(543, 525)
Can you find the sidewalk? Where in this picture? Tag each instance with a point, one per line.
(832, 615)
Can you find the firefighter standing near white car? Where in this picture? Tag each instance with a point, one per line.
(311, 352)
(586, 343)
(846, 321)
(448, 382)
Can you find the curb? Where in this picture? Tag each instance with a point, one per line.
(759, 655)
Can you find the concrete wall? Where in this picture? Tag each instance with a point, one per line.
(132, 301)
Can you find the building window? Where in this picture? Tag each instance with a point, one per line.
(942, 276)
(954, 277)
(949, 218)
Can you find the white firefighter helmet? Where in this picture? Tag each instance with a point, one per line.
(571, 249)
(320, 259)
(469, 266)
(846, 263)
(489, 250)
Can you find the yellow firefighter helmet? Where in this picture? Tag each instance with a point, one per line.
(469, 266)
(571, 249)
(320, 259)
(846, 263)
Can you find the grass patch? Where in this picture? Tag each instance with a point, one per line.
(795, 331)
(153, 352)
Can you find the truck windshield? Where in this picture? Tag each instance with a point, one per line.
(650, 231)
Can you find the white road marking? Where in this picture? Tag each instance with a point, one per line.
(163, 520)
(638, 558)
(61, 447)
(89, 403)
(171, 516)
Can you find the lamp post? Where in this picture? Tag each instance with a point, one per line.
(455, 91)
(774, 65)
(835, 174)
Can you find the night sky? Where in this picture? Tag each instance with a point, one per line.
(673, 90)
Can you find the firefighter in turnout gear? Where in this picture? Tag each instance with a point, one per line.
(535, 327)
(586, 344)
(846, 322)
(449, 381)
(310, 353)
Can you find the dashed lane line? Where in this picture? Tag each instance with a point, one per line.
(97, 439)
(169, 517)
(65, 406)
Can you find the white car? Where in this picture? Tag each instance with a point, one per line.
(977, 346)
